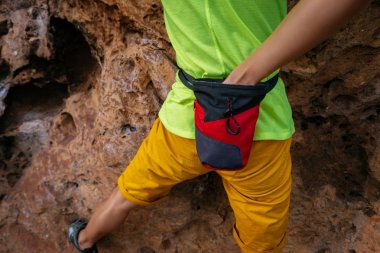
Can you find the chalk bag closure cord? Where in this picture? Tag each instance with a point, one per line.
(229, 113)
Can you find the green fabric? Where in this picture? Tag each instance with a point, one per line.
(210, 39)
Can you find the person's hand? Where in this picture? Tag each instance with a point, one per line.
(243, 74)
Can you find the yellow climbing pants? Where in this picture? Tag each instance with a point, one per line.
(259, 194)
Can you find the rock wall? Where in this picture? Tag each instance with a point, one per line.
(81, 82)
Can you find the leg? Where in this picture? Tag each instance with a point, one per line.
(259, 195)
(107, 217)
(162, 161)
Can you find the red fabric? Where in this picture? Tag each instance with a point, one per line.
(217, 129)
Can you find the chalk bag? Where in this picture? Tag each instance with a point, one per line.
(225, 118)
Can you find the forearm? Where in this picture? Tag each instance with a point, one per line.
(306, 25)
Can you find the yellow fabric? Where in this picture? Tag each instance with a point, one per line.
(259, 194)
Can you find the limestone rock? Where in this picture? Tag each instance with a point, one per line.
(81, 83)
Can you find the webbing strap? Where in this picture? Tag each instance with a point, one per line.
(188, 81)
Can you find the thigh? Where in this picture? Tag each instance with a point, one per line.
(259, 195)
(162, 161)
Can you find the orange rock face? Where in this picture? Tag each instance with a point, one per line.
(81, 82)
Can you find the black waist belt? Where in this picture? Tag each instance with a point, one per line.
(189, 82)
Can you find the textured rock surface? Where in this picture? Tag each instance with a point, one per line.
(81, 82)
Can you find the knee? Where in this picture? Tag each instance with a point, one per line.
(118, 201)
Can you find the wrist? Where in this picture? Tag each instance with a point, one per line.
(245, 73)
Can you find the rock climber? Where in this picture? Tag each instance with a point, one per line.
(241, 42)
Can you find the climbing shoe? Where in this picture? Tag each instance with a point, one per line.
(73, 231)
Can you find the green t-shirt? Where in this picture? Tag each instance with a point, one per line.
(212, 37)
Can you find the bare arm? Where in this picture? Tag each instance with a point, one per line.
(307, 24)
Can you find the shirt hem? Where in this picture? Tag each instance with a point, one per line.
(258, 137)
